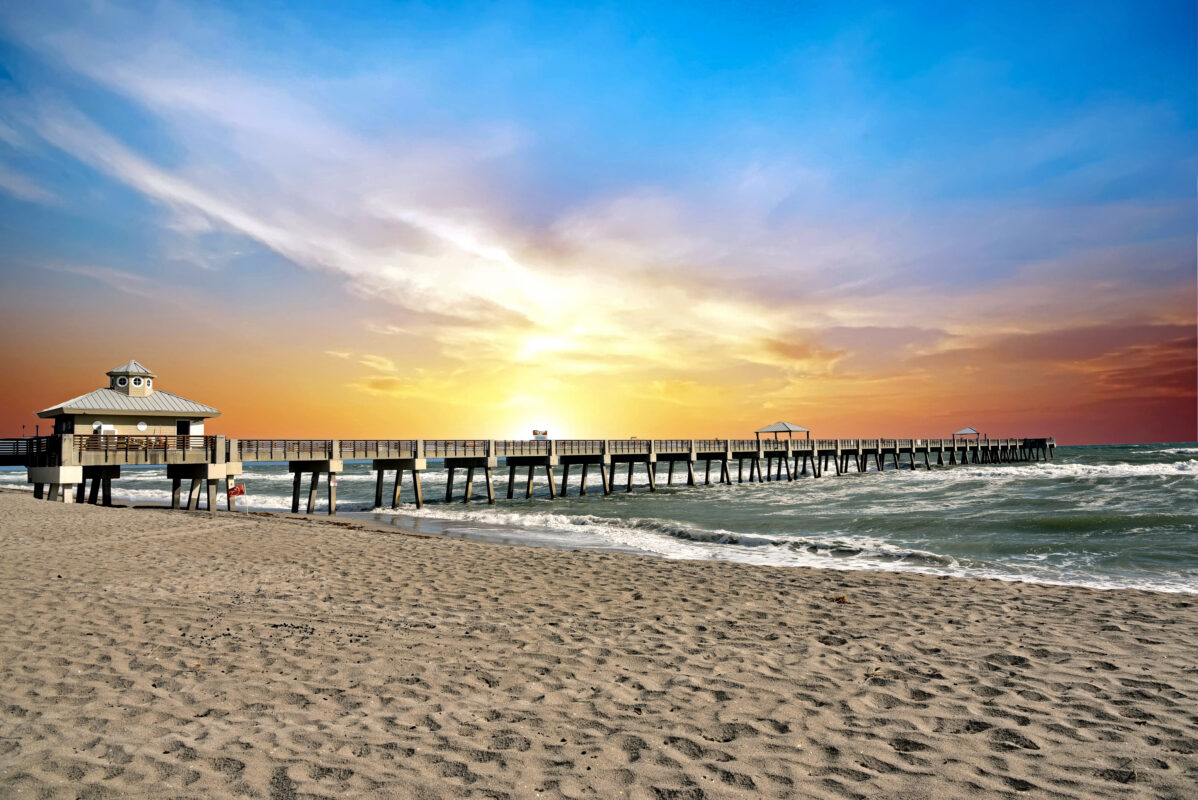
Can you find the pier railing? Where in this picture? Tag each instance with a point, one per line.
(629, 446)
(522, 447)
(284, 449)
(33, 451)
(378, 448)
(456, 448)
(579, 447)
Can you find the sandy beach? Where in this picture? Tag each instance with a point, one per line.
(149, 653)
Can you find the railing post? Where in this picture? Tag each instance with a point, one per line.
(67, 450)
(490, 448)
(335, 449)
(218, 455)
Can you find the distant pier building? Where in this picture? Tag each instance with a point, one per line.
(130, 406)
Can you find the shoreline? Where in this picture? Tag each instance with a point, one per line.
(403, 522)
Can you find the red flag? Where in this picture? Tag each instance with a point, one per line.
(237, 491)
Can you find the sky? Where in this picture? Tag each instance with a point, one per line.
(683, 219)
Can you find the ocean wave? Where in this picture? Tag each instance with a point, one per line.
(676, 540)
(1050, 470)
(670, 539)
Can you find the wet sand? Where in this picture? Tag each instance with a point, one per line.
(151, 653)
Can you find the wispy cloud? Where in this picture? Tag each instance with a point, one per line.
(23, 188)
(122, 281)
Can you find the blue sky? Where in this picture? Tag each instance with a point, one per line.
(824, 169)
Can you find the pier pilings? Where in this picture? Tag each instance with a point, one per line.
(60, 466)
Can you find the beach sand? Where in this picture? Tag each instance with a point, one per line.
(150, 653)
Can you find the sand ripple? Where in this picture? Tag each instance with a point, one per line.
(154, 654)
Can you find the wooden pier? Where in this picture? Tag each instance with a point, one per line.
(66, 462)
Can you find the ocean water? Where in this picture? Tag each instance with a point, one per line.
(1121, 516)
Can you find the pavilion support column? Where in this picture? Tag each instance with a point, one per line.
(211, 499)
(106, 489)
(490, 486)
(469, 484)
(605, 477)
(582, 484)
(39, 491)
(68, 492)
(690, 472)
(230, 499)
(193, 495)
(53, 497)
(786, 461)
(415, 487)
(565, 479)
(81, 489)
(378, 489)
(295, 492)
(552, 486)
(449, 486)
(94, 497)
(511, 481)
(398, 488)
(528, 484)
(312, 489)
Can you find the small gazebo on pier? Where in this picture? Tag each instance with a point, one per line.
(969, 431)
(778, 428)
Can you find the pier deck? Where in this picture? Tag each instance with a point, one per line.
(66, 462)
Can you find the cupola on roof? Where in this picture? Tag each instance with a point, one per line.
(134, 367)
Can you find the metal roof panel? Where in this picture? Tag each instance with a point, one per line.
(114, 402)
